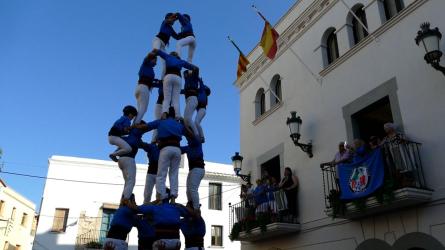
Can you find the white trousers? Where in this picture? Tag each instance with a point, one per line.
(169, 160)
(158, 114)
(123, 146)
(167, 244)
(128, 168)
(199, 116)
(150, 181)
(117, 244)
(172, 90)
(159, 44)
(142, 95)
(190, 106)
(189, 41)
(193, 180)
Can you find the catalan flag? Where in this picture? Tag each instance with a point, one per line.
(242, 60)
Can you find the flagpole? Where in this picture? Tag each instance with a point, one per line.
(234, 44)
(316, 77)
(358, 20)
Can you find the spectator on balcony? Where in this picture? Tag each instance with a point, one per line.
(392, 136)
(272, 187)
(290, 186)
(360, 149)
(399, 157)
(374, 142)
(342, 156)
(260, 197)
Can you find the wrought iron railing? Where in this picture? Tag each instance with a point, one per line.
(247, 214)
(91, 239)
(403, 167)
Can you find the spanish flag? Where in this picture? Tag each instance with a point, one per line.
(242, 64)
(269, 40)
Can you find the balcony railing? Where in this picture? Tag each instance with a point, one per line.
(404, 184)
(251, 222)
(92, 239)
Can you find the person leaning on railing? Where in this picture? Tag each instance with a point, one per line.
(342, 156)
(290, 185)
(260, 197)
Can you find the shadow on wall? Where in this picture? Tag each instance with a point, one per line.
(418, 241)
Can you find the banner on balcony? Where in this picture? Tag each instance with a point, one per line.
(361, 178)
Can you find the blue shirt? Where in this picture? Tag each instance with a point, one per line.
(145, 228)
(194, 153)
(164, 214)
(124, 217)
(146, 69)
(174, 62)
(134, 138)
(270, 190)
(119, 126)
(186, 25)
(203, 92)
(167, 128)
(259, 194)
(166, 31)
(191, 82)
(193, 227)
(152, 152)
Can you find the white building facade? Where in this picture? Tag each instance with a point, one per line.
(345, 82)
(75, 215)
(16, 219)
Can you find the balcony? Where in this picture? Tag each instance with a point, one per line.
(404, 185)
(92, 239)
(249, 222)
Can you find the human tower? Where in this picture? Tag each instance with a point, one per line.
(159, 221)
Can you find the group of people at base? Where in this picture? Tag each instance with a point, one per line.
(278, 200)
(164, 150)
(396, 154)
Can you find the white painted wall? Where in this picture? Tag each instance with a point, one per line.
(420, 95)
(86, 197)
(12, 230)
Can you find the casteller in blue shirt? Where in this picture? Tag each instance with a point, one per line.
(123, 220)
(186, 25)
(194, 230)
(173, 63)
(166, 30)
(194, 153)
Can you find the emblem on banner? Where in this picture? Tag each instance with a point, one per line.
(358, 182)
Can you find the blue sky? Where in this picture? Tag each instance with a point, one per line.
(68, 67)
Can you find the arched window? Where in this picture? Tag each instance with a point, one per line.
(260, 103)
(329, 46)
(392, 7)
(275, 90)
(332, 47)
(358, 31)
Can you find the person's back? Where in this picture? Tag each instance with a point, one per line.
(194, 230)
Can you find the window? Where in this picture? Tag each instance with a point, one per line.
(217, 236)
(13, 213)
(260, 103)
(275, 87)
(329, 47)
(2, 207)
(359, 32)
(392, 7)
(60, 219)
(24, 219)
(215, 196)
(107, 217)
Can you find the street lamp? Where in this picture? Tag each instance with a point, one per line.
(237, 161)
(294, 124)
(430, 39)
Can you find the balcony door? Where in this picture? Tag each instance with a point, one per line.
(271, 168)
(369, 121)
